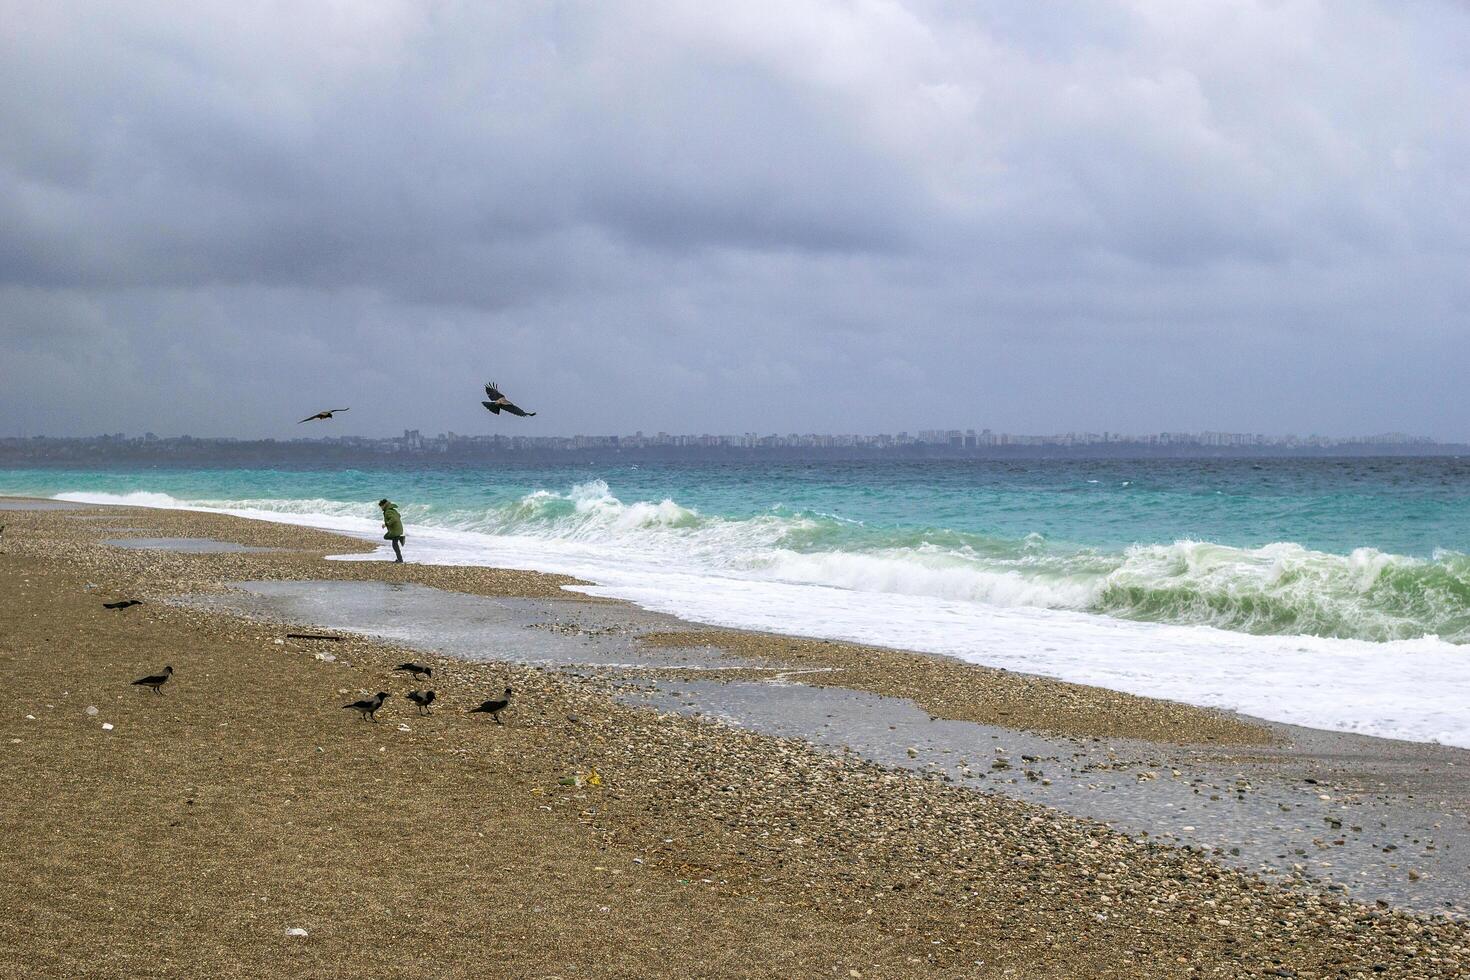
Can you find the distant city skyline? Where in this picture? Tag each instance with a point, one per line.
(414, 440)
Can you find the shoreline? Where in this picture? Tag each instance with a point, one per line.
(804, 861)
(946, 687)
(1329, 682)
(1006, 697)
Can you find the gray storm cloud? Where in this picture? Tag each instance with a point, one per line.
(828, 216)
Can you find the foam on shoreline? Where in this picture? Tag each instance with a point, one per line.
(1418, 690)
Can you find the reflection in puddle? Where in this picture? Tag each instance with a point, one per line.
(192, 546)
(548, 632)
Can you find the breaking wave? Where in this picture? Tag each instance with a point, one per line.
(1278, 589)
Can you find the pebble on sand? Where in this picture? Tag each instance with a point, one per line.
(302, 933)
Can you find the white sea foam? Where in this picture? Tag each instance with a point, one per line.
(928, 572)
(736, 573)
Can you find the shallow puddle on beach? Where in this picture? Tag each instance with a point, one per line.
(13, 503)
(191, 546)
(1252, 817)
(551, 632)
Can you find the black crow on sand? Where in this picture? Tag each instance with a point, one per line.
(494, 707)
(156, 681)
(368, 707)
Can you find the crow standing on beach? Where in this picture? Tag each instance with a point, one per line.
(368, 707)
(419, 671)
(498, 401)
(494, 707)
(156, 681)
(423, 699)
(324, 415)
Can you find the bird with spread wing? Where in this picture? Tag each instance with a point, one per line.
(324, 415)
(498, 401)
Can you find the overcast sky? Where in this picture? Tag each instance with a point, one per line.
(796, 215)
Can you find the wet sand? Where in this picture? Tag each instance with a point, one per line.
(1250, 806)
(587, 836)
(956, 690)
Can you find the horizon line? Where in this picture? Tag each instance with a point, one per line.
(901, 437)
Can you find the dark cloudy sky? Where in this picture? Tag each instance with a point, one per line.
(771, 216)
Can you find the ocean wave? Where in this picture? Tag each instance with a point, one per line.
(1133, 619)
(139, 498)
(1277, 589)
(1283, 588)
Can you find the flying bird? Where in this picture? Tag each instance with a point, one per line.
(419, 671)
(368, 707)
(125, 603)
(494, 707)
(423, 699)
(155, 681)
(498, 401)
(324, 415)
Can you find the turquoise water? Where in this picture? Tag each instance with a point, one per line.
(1371, 549)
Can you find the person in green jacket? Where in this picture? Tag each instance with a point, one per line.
(393, 521)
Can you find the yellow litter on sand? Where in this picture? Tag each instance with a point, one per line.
(591, 778)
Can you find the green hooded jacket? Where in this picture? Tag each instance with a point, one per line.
(393, 521)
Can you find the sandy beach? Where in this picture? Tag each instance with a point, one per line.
(591, 835)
